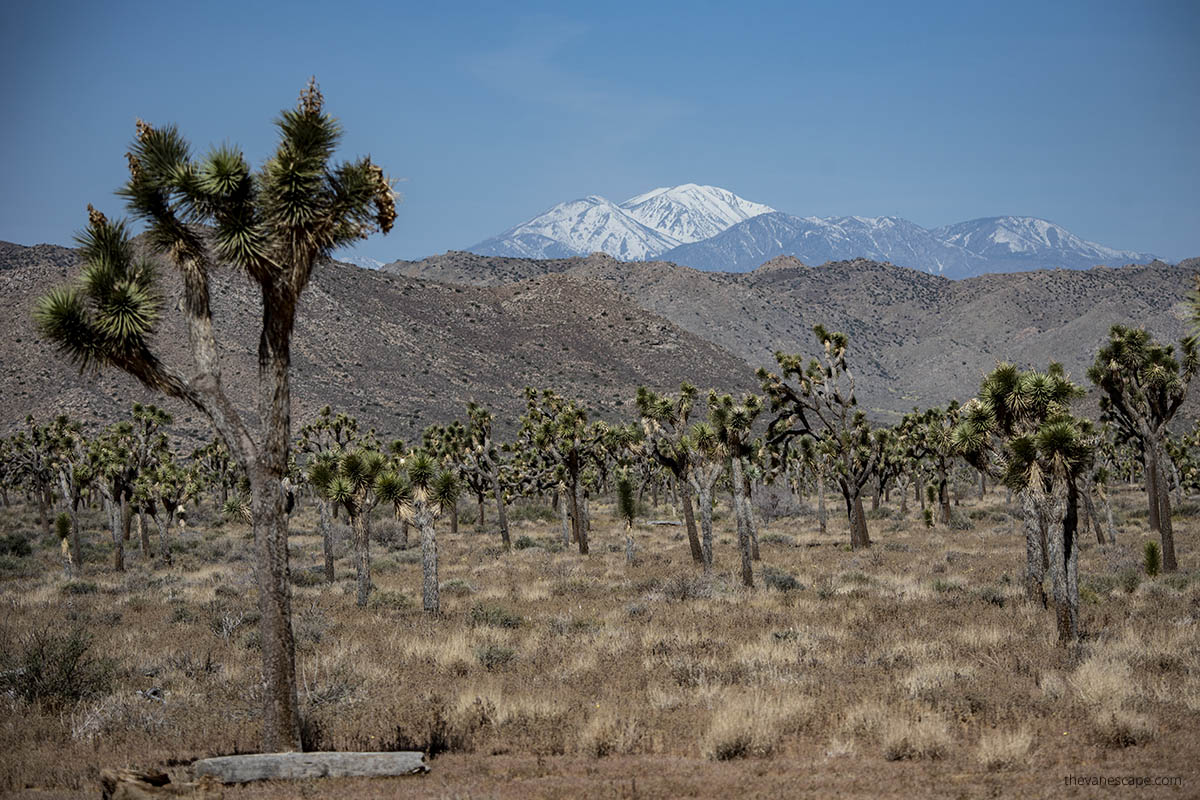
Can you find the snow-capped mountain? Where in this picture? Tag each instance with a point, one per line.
(365, 262)
(710, 228)
(638, 229)
(576, 228)
(1021, 243)
(689, 213)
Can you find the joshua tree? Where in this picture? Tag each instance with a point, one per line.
(348, 480)
(731, 422)
(325, 438)
(929, 436)
(215, 470)
(420, 492)
(69, 460)
(626, 507)
(1020, 429)
(32, 454)
(1143, 385)
(162, 490)
(274, 225)
(822, 405)
(706, 464)
(665, 422)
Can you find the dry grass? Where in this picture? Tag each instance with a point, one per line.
(916, 658)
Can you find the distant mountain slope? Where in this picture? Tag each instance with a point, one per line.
(397, 352)
(713, 229)
(916, 338)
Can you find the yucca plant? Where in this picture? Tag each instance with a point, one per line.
(1142, 386)
(1152, 558)
(626, 508)
(274, 225)
(348, 481)
(420, 490)
(817, 400)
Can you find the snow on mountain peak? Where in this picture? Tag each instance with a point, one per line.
(690, 212)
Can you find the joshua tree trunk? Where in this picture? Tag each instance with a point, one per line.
(877, 495)
(944, 496)
(281, 722)
(479, 520)
(1034, 549)
(577, 527)
(684, 492)
(629, 544)
(501, 513)
(429, 562)
(982, 484)
(1151, 484)
(362, 555)
(144, 537)
(706, 520)
(1064, 563)
(1162, 489)
(326, 525)
(564, 514)
(43, 512)
(743, 524)
(164, 519)
(748, 506)
(859, 536)
(822, 515)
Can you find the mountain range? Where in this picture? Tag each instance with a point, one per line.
(713, 229)
(409, 344)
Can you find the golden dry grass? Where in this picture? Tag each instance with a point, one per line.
(913, 660)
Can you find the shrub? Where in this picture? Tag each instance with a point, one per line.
(14, 544)
(62, 525)
(780, 580)
(493, 656)
(457, 588)
(524, 543)
(959, 521)
(910, 741)
(1122, 728)
(383, 600)
(1152, 558)
(992, 595)
(1130, 580)
(928, 517)
(57, 668)
(306, 576)
(1003, 749)
(777, 538)
(531, 512)
(494, 616)
(79, 587)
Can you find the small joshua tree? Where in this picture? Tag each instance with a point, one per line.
(731, 422)
(420, 492)
(626, 509)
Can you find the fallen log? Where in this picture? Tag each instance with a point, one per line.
(664, 522)
(291, 766)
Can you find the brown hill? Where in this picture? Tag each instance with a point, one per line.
(916, 338)
(398, 352)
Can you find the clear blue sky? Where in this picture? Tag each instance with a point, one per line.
(1085, 113)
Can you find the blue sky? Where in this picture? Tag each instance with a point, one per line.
(489, 113)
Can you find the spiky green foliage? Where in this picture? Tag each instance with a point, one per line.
(1152, 558)
(625, 502)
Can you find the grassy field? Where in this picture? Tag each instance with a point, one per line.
(912, 669)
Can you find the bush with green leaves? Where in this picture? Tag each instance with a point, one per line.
(56, 668)
(1152, 558)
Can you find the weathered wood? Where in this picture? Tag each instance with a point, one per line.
(673, 522)
(286, 766)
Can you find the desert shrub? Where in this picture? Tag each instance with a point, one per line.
(525, 542)
(686, 587)
(928, 517)
(493, 656)
(608, 733)
(910, 741)
(779, 580)
(1152, 558)
(307, 576)
(384, 600)
(388, 532)
(1122, 728)
(15, 545)
(992, 596)
(1000, 749)
(79, 587)
(959, 521)
(945, 587)
(494, 616)
(56, 668)
(777, 538)
(457, 588)
(1130, 579)
(883, 512)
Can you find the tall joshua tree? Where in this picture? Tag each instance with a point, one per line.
(731, 422)
(348, 480)
(665, 423)
(817, 400)
(274, 225)
(1143, 386)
